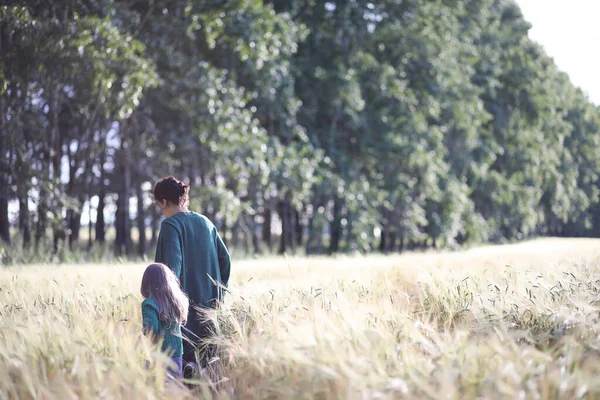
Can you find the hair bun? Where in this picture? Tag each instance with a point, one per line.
(172, 190)
(182, 186)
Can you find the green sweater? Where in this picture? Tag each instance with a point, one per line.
(189, 244)
(169, 332)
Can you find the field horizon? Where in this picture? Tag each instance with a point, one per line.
(508, 321)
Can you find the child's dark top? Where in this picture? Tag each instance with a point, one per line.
(168, 331)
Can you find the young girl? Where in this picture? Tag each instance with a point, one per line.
(164, 310)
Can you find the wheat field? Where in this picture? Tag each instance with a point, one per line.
(516, 322)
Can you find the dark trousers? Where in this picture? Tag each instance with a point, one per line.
(196, 344)
(197, 348)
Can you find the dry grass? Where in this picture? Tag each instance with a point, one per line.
(518, 321)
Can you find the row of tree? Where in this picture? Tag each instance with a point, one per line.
(323, 126)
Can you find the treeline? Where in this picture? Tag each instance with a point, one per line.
(301, 125)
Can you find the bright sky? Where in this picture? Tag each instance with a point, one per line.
(570, 32)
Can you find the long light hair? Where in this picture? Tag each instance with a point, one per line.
(161, 284)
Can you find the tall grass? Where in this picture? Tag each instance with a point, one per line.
(518, 321)
(17, 253)
(80, 252)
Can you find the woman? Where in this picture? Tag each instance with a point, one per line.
(189, 245)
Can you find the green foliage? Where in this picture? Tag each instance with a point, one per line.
(352, 125)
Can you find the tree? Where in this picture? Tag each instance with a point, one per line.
(349, 125)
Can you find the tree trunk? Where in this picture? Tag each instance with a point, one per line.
(123, 240)
(100, 222)
(292, 226)
(4, 222)
(287, 228)
(336, 226)
(255, 239)
(282, 241)
(382, 241)
(392, 241)
(122, 225)
(23, 198)
(141, 221)
(595, 229)
(42, 218)
(299, 229)
(351, 244)
(42, 206)
(74, 219)
(252, 225)
(126, 213)
(319, 232)
(54, 144)
(282, 238)
(310, 234)
(90, 231)
(250, 220)
(266, 231)
(24, 226)
(155, 227)
(59, 235)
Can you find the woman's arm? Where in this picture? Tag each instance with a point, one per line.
(168, 248)
(224, 260)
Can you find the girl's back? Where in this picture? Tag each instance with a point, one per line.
(168, 332)
(164, 310)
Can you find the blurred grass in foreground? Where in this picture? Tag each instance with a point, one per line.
(516, 321)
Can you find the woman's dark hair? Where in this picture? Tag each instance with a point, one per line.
(171, 190)
(161, 284)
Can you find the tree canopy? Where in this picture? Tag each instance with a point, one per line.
(309, 126)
